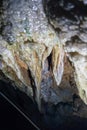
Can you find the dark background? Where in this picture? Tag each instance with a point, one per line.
(11, 119)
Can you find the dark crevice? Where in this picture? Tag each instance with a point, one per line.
(49, 58)
(32, 83)
(75, 39)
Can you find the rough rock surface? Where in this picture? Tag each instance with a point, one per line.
(43, 49)
(69, 19)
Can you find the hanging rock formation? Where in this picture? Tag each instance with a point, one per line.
(69, 18)
(43, 48)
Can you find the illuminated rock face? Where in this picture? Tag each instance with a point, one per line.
(69, 19)
(45, 63)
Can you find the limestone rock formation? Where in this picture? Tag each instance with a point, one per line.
(69, 18)
(26, 41)
(43, 48)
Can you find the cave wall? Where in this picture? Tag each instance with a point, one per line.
(43, 51)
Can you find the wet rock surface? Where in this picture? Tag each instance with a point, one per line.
(43, 52)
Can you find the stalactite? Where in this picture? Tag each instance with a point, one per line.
(58, 63)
